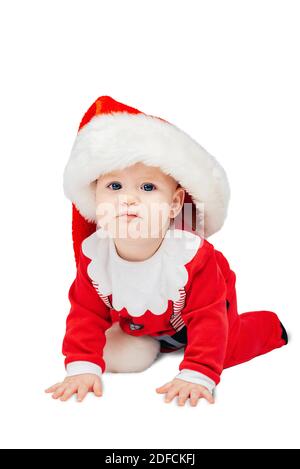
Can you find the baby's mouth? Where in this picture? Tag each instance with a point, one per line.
(129, 215)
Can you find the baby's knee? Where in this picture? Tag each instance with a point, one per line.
(125, 353)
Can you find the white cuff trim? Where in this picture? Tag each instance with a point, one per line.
(82, 367)
(197, 378)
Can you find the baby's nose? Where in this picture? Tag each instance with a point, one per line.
(129, 199)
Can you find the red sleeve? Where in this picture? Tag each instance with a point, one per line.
(205, 316)
(87, 320)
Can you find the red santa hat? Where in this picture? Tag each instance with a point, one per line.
(112, 136)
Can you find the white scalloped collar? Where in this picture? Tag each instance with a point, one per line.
(139, 286)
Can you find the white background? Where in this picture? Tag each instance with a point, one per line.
(227, 73)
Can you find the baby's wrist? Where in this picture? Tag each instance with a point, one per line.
(83, 367)
(196, 377)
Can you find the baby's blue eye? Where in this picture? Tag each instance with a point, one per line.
(147, 185)
(114, 184)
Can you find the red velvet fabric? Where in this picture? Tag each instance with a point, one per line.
(218, 337)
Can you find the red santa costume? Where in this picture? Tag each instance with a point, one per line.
(184, 295)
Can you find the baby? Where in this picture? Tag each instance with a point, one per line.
(144, 286)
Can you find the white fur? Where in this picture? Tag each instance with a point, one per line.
(125, 353)
(120, 139)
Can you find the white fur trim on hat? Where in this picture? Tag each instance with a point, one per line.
(116, 140)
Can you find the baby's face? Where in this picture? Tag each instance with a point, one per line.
(141, 190)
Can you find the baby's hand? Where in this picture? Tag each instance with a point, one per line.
(185, 389)
(81, 384)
